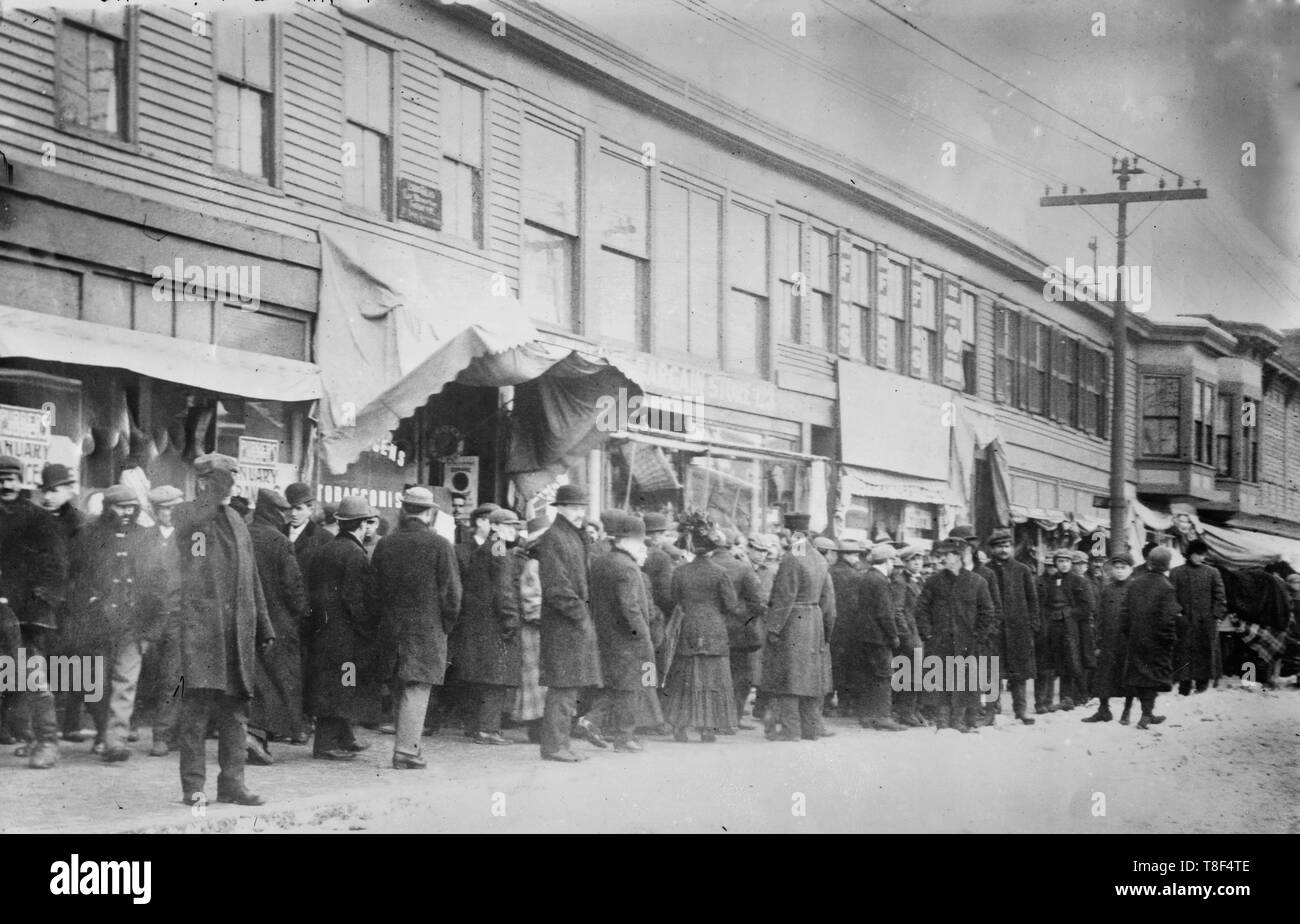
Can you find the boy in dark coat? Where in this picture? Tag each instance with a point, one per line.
(419, 594)
(1147, 630)
(1021, 620)
(1066, 601)
(1201, 595)
(570, 659)
(1107, 679)
(906, 588)
(621, 609)
(224, 623)
(343, 637)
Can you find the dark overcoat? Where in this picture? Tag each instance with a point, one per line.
(1076, 613)
(906, 588)
(312, 537)
(1203, 601)
(343, 647)
(1148, 626)
(746, 633)
(708, 601)
(871, 615)
(485, 644)
(1107, 679)
(1021, 619)
(800, 619)
(954, 613)
(844, 578)
(1088, 627)
(570, 656)
(659, 567)
(33, 563)
(621, 609)
(419, 593)
(221, 599)
(113, 587)
(277, 702)
(991, 640)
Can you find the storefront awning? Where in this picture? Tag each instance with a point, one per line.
(33, 335)
(877, 483)
(396, 325)
(1245, 548)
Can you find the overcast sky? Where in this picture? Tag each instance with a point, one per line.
(1186, 82)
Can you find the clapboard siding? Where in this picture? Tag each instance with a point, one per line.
(313, 110)
(419, 156)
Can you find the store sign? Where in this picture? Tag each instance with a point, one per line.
(25, 434)
(714, 388)
(419, 204)
(258, 463)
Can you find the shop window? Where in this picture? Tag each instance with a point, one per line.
(891, 337)
(1203, 413)
(244, 52)
(92, 86)
(687, 315)
(1161, 416)
(925, 325)
(1223, 441)
(746, 323)
(550, 202)
(461, 118)
(1006, 362)
(368, 125)
(860, 275)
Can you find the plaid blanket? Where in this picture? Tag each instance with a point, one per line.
(1265, 643)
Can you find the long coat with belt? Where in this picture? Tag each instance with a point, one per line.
(419, 595)
(570, 656)
(800, 620)
(709, 603)
(1148, 626)
(746, 633)
(1201, 595)
(1107, 679)
(1021, 619)
(954, 614)
(221, 600)
(485, 645)
(277, 705)
(621, 608)
(343, 647)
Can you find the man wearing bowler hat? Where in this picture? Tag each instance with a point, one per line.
(224, 624)
(1021, 620)
(344, 633)
(303, 531)
(419, 599)
(33, 570)
(570, 657)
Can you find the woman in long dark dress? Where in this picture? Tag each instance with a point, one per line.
(699, 679)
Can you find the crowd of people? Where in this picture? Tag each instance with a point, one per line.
(281, 623)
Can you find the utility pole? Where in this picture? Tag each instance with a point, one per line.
(1123, 170)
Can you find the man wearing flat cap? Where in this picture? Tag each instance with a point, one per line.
(480, 527)
(224, 624)
(1148, 628)
(744, 636)
(1066, 601)
(907, 583)
(1108, 677)
(33, 570)
(277, 710)
(570, 656)
(344, 634)
(419, 600)
(872, 635)
(162, 659)
(1201, 595)
(1021, 620)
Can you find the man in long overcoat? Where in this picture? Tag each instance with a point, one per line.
(224, 622)
(1107, 678)
(744, 636)
(343, 643)
(485, 647)
(570, 657)
(621, 609)
(989, 642)
(277, 703)
(953, 616)
(906, 588)
(1021, 620)
(870, 629)
(846, 657)
(419, 593)
(1065, 600)
(1201, 595)
(1148, 627)
(799, 622)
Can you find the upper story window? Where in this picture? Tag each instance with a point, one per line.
(969, 308)
(1225, 426)
(1064, 396)
(861, 282)
(747, 317)
(1249, 439)
(1006, 358)
(690, 240)
(92, 86)
(245, 93)
(1160, 408)
(1203, 422)
(891, 334)
(548, 287)
(1094, 391)
(620, 212)
(461, 111)
(1038, 358)
(925, 325)
(368, 125)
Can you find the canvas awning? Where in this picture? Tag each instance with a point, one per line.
(34, 335)
(877, 483)
(1246, 548)
(396, 325)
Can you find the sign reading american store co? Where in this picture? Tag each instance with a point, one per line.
(714, 388)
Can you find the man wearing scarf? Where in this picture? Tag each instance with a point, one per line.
(224, 622)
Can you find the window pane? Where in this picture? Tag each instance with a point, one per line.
(547, 285)
(819, 270)
(787, 248)
(705, 253)
(102, 57)
(891, 294)
(925, 317)
(617, 288)
(228, 44)
(619, 201)
(746, 324)
(354, 78)
(862, 281)
(372, 161)
(857, 333)
(550, 177)
(257, 51)
(451, 111)
(819, 307)
(1160, 437)
(747, 249)
(74, 89)
(921, 353)
(462, 196)
(379, 88)
(471, 122)
(353, 167)
(968, 307)
(252, 119)
(227, 140)
(1160, 396)
(672, 262)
